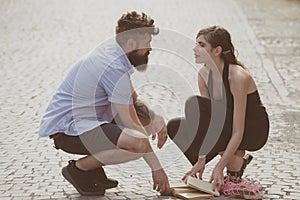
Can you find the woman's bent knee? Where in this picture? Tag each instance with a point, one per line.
(192, 101)
(173, 127)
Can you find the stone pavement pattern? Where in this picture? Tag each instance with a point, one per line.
(41, 39)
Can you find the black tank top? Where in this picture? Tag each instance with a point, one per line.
(254, 107)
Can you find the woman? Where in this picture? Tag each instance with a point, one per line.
(228, 118)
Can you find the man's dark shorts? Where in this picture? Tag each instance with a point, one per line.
(101, 138)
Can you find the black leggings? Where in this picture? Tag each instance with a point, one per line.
(189, 133)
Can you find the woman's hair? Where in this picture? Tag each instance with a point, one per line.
(132, 23)
(218, 36)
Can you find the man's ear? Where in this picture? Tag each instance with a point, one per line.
(217, 51)
(131, 44)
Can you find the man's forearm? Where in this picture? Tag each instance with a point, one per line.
(129, 118)
(152, 160)
(137, 127)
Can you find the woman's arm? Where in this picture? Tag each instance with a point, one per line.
(239, 84)
(201, 83)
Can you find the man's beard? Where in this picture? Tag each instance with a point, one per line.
(138, 61)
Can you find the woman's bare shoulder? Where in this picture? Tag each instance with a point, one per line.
(239, 76)
(236, 72)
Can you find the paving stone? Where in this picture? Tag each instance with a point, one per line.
(40, 41)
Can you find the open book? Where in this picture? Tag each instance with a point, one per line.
(201, 185)
(192, 189)
(182, 191)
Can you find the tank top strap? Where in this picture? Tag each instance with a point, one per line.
(210, 84)
(225, 76)
(227, 96)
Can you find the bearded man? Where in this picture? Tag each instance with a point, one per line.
(95, 111)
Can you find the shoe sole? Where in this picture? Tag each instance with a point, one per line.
(69, 178)
(108, 186)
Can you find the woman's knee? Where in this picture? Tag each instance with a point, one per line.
(173, 127)
(191, 101)
(195, 104)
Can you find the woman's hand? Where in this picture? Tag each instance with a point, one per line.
(217, 178)
(197, 170)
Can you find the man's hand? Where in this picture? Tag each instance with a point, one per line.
(153, 123)
(160, 181)
(159, 127)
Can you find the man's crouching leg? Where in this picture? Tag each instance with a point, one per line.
(131, 145)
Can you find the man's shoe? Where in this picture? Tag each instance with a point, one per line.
(105, 182)
(84, 181)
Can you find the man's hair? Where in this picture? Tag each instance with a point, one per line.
(132, 22)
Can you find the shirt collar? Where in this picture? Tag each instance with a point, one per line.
(124, 58)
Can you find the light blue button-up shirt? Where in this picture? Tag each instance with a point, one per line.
(83, 100)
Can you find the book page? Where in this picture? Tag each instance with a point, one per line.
(201, 185)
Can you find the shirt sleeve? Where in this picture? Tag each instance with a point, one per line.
(117, 85)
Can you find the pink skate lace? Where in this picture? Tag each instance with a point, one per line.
(242, 188)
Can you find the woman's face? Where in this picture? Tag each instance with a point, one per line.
(202, 51)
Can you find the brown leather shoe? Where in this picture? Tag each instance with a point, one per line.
(82, 180)
(105, 182)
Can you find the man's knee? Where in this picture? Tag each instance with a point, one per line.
(133, 141)
(134, 145)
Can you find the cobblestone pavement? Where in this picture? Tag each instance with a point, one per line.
(41, 39)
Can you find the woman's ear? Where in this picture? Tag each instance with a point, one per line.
(131, 44)
(217, 51)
